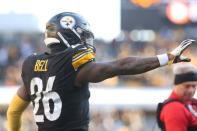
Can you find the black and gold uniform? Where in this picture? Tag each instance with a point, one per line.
(49, 78)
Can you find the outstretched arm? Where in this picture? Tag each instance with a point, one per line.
(96, 72)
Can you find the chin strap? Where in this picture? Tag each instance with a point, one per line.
(49, 41)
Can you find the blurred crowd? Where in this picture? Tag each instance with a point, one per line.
(118, 120)
(15, 47)
(101, 119)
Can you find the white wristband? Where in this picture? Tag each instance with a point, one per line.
(163, 59)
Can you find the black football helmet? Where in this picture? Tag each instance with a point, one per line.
(68, 28)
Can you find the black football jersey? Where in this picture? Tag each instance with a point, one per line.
(49, 80)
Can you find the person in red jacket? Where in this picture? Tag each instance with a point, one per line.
(179, 111)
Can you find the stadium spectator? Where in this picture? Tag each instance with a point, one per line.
(179, 111)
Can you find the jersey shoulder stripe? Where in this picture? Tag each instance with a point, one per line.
(83, 54)
(85, 58)
(79, 55)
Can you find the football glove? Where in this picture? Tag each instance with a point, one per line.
(175, 55)
(177, 52)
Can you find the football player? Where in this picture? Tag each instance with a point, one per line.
(56, 82)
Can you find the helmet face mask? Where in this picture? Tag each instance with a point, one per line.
(68, 28)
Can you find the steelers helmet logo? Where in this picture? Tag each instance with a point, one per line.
(67, 22)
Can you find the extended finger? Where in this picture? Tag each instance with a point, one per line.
(187, 41)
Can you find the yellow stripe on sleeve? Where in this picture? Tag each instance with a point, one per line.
(87, 50)
(82, 60)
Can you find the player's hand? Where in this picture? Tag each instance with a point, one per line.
(176, 56)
